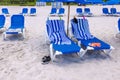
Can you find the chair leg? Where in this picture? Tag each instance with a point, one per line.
(23, 33)
(4, 36)
(51, 52)
(82, 53)
(107, 52)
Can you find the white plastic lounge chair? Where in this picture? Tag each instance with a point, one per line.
(59, 42)
(17, 26)
(81, 32)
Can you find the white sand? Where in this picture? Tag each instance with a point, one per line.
(21, 59)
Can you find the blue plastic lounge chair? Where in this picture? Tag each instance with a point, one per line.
(59, 42)
(17, 26)
(5, 11)
(79, 12)
(82, 33)
(24, 11)
(61, 12)
(114, 12)
(106, 12)
(118, 34)
(87, 12)
(53, 12)
(119, 25)
(33, 11)
(2, 21)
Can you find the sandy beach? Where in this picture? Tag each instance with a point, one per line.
(21, 59)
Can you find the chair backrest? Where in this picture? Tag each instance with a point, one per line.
(32, 10)
(25, 10)
(86, 10)
(61, 11)
(105, 11)
(5, 11)
(2, 21)
(113, 10)
(54, 26)
(79, 10)
(81, 29)
(17, 21)
(119, 24)
(56, 32)
(53, 11)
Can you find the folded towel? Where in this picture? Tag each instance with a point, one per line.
(95, 44)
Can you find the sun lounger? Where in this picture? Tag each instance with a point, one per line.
(59, 42)
(53, 12)
(114, 12)
(17, 26)
(61, 12)
(79, 12)
(118, 34)
(5, 11)
(2, 21)
(87, 12)
(24, 11)
(32, 11)
(81, 32)
(106, 12)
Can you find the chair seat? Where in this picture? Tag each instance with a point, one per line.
(1, 26)
(67, 48)
(14, 30)
(103, 44)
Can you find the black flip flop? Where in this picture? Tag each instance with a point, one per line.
(46, 59)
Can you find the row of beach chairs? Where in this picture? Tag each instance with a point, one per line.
(57, 12)
(32, 12)
(16, 27)
(111, 12)
(61, 12)
(85, 12)
(60, 43)
(105, 11)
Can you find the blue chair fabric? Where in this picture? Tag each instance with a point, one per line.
(2, 21)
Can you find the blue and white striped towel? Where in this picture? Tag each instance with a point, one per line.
(81, 29)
